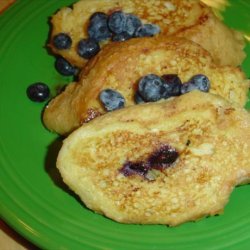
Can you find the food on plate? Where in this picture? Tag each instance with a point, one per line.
(121, 67)
(78, 33)
(165, 162)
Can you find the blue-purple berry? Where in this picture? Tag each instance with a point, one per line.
(62, 41)
(197, 82)
(147, 30)
(117, 22)
(132, 24)
(64, 67)
(151, 88)
(138, 99)
(111, 99)
(121, 37)
(120, 22)
(98, 27)
(134, 168)
(88, 48)
(164, 157)
(172, 85)
(38, 92)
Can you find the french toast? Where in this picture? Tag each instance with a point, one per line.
(208, 138)
(120, 65)
(189, 19)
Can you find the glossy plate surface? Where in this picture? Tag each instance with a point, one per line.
(33, 199)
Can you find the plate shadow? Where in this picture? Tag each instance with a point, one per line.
(50, 166)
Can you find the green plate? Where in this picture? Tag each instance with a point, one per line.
(33, 199)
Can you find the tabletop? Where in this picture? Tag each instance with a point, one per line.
(10, 240)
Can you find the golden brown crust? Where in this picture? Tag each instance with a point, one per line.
(189, 19)
(215, 159)
(120, 65)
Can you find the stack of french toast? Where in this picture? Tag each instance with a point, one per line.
(156, 130)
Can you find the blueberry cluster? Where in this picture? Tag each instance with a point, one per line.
(152, 88)
(125, 26)
(160, 159)
(118, 26)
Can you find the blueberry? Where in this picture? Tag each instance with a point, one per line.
(132, 24)
(138, 98)
(151, 88)
(147, 30)
(112, 99)
(62, 41)
(121, 37)
(38, 92)
(163, 157)
(199, 82)
(120, 22)
(98, 27)
(87, 48)
(172, 85)
(117, 22)
(132, 168)
(64, 67)
(160, 159)
(98, 16)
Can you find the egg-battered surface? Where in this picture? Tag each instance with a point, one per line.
(189, 19)
(120, 65)
(211, 136)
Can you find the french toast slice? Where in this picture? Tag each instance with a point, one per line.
(189, 19)
(104, 161)
(120, 65)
